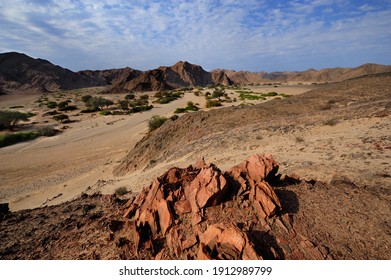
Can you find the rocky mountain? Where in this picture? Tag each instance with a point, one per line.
(311, 75)
(112, 76)
(181, 74)
(23, 74)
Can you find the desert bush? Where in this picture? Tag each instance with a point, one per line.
(218, 93)
(156, 122)
(130, 96)
(121, 191)
(137, 109)
(89, 110)
(13, 138)
(62, 105)
(213, 103)
(123, 105)
(85, 98)
(46, 131)
(51, 104)
(272, 93)
(299, 139)
(105, 112)
(69, 108)
(180, 110)
(144, 97)
(98, 102)
(61, 118)
(9, 119)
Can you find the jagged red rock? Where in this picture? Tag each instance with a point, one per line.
(183, 195)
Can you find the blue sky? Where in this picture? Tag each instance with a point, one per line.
(233, 34)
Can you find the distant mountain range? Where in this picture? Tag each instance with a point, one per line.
(20, 73)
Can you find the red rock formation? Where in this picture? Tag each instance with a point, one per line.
(161, 209)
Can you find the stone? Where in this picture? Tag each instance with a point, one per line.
(165, 216)
(189, 242)
(251, 176)
(182, 207)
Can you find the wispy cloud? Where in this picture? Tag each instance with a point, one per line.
(252, 35)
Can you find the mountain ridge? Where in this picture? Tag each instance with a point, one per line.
(20, 73)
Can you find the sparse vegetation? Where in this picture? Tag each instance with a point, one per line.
(164, 97)
(13, 138)
(190, 107)
(155, 122)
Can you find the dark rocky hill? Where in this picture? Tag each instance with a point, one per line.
(20, 73)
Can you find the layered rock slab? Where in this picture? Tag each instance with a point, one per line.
(172, 210)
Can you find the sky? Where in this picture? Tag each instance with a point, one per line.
(265, 35)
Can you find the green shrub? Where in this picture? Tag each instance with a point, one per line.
(51, 104)
(130, 96)
(98, 102)
(46, 131)
(105, 112)
(62, 105)
(272, 93)
(180, 110)
(137, 109)
(13, 138)
(144, 97)
(68, 108)
(85, 98)
(156, 122)
(123, 105)
(213, 103)
(90, 110)
(61, 118)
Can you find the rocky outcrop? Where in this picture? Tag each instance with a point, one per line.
(174, 217)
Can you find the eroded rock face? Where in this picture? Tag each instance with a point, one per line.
(173, 209)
